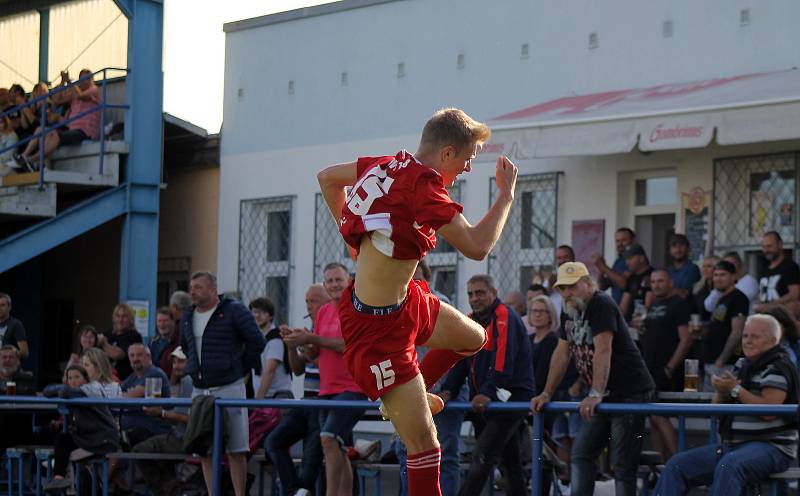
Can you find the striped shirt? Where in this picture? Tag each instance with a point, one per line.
(778, 431)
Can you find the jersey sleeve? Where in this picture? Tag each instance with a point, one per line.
(435, 208)
(364, 164)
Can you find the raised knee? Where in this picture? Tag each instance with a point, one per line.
(476, 344)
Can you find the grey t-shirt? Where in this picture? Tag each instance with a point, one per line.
(282, 380)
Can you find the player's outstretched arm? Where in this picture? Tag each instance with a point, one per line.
(332, 181)
(477, 241)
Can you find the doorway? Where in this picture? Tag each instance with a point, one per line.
(653, 232)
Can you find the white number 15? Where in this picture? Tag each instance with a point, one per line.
(384, 375)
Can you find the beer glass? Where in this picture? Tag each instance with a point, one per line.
(152, 387)
(11, 388)
(691, 377)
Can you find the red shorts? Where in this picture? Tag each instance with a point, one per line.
(380, 349)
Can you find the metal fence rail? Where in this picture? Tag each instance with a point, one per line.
(680, 410)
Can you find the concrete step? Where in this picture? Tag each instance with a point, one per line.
(28, 201)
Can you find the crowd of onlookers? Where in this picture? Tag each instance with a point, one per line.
(620, 336)
(21, 117)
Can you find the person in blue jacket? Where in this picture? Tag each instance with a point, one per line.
(501, 371)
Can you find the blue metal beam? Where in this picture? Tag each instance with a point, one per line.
(144, 133)
(69, 224)
(44, 43)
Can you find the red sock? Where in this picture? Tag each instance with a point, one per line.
(436, 363)
(423, 473)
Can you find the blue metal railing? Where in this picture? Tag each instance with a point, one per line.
(680, 410)
(45, 128)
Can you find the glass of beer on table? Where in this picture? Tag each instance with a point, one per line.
(691, 377)
(11, 388)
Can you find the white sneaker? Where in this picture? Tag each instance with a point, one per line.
(302, 492)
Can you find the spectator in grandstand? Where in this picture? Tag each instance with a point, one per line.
(594, 333)
(8, 104)
(501, 371)
(87, 338)
(123, 334)
(336, 383)
(275, 380)
(222, 344)
(300, 424)
(8, 138)
(665, 341)
(11, 373)
(159, 474)
(683, 272)
(745, 283)
(724, 332)
(136, 425)
(535, 290)
(516, 301)
(637, 293)
(790, 337)
(779, 284)
(752, 447)
(12, 332)
(616, 276)
(703, 288)
(165, 341)
(564, 254)
(83, 98)
(101, 374)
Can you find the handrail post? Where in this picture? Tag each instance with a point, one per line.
(216, 453)
(681, 433)
(42, 139)
(536, 454)
(103, 122)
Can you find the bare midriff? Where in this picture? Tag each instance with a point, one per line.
(380, 280)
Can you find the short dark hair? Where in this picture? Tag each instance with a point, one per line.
(16, 87)
(569, 249)
(627, 230)
(483, 278)
(11, 347)
(539, 288)
(208, 275)
(264, 304)
(78, 368)
(335, 265)
(164, 311)
(774, 233)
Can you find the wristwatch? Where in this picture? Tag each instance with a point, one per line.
(735, 391)
(594, 393)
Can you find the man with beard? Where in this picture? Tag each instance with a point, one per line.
(780, 282)
(616, 276)
(594, 333)
(637, 287)
(683, 272)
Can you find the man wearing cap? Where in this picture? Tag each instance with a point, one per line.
(160, 474)
(593, 332)
(637, 287)
(724, 332)
(683, 272)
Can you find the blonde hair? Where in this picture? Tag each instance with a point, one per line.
(555, 319)
(127, 310)
(101, 362)
(453, 127)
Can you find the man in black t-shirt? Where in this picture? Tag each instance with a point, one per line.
(12, 331)
(724, 331)
(780, 282)
(665, 343)
(594, 333)
(637, 286)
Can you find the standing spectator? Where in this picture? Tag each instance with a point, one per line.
(683, 272)
(752, 447)
(637, 286)
(515, 300)
(222, 344)
(300, 423)
(336, 383)
(616, 276)
(564, 254)
(725, 328)
(11, 371)
(123, 334)
(594, 333)
(160, 474)
(665, 343)
(275, 380)
(501, 371)
(83, 97)
(136, 425)
(535, 290)
(165, 341)
(178, 303)
(745, 283)
(703, 288)
(12, 332)
(780, 282)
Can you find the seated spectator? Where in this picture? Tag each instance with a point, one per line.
(516, 301)
(123, 334)
(8, 138)
(167, 338)
(92, 428)
(87, 339)
(159, 474)
(275, 380)
(7, 105)
(12, 332)
(101, 376)
(665, 341)
(82, 97)
(11, 372)
(683, 272)
(745, 283)
(752, 447)
(135, 424)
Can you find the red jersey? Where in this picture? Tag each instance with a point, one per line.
(400, 203)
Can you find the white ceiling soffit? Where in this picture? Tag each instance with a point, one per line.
(742, 109)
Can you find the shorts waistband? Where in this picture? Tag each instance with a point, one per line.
(362, 307)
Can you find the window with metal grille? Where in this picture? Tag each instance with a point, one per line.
(444, 260)
(528, 243)
(264, 252)
(754, 195)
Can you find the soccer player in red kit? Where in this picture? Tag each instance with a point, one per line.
(390, 219)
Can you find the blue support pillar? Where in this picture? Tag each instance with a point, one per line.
(144, 133)
(44, 43)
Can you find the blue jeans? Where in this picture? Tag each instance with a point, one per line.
(339, 424)
(624, 433)
(296, 424)
(725, 468)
